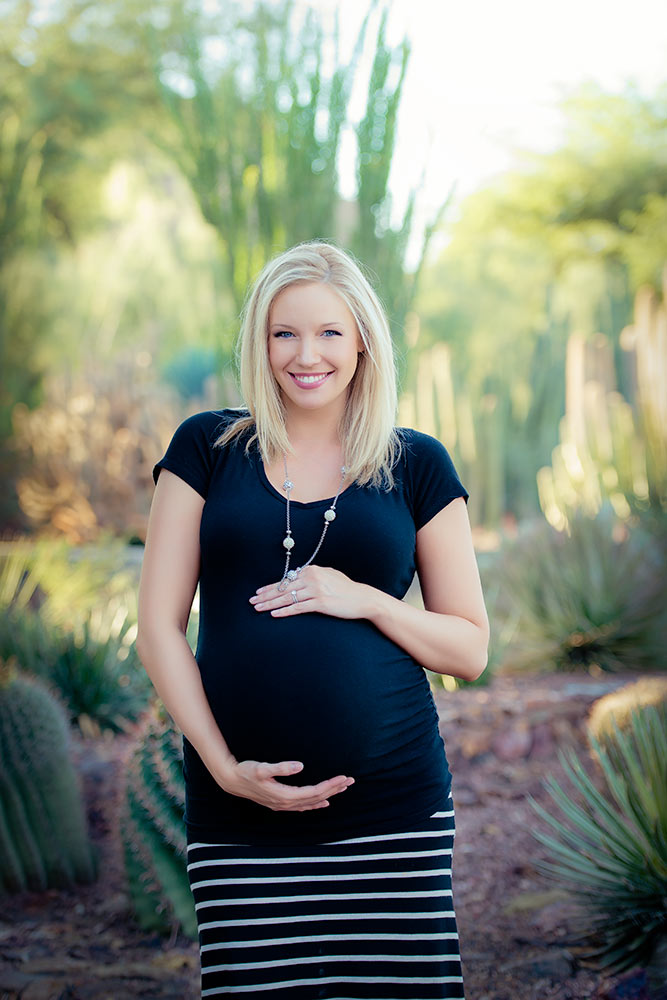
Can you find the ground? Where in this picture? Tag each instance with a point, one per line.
(514, 927)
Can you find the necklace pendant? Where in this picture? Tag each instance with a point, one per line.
(330, 515)
(288, 485)
(292, 575)
(288, 542)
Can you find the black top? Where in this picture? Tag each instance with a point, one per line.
(334, 693)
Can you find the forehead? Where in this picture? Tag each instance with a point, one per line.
(306, 298)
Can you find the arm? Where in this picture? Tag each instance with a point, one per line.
(450, 636)
(169, 576)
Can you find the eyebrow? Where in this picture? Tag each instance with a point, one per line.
(292, 326)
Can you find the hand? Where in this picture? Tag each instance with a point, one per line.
(251, 779)
(317, 588)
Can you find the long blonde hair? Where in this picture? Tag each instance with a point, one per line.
(370, 443)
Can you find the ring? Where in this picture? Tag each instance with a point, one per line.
(295, 597)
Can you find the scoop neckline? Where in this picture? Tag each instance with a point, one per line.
(268, 485)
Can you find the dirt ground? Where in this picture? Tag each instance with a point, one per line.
(516, 939)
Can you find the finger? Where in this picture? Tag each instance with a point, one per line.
(266, 771)
(315, 793)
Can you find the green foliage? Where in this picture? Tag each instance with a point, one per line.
(154, 830)
(611, 851)
(43, 837)
(258, 129)
(71, 620)
(593, 598)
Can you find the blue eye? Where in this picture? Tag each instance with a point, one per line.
(335, 333)
(283, 333)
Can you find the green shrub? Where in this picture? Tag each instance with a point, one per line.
(611, 851)
(154, 830)
(595, 598)
(43, 837)
(93, 666)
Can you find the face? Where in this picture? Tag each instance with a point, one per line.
(314, 343)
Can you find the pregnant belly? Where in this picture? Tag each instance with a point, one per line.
(336, 695)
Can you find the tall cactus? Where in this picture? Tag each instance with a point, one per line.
(154, 830)
(43, 836)
(612, 449)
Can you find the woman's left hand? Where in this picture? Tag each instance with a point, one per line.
(317, 588)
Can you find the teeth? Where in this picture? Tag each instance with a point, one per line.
(310, 378)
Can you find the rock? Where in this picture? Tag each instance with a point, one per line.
(556, 966)
(543, 746)
(513, 744)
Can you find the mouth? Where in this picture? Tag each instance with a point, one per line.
(305, 381)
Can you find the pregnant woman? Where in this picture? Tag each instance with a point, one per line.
(319, 815)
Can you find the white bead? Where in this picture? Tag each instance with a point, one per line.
(288, 543)
(330, 514)
(288, 485)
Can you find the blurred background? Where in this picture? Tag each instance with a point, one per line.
(500, 170)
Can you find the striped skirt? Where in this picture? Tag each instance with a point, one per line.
(370, 917)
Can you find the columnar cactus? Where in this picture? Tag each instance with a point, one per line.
(154, 830)
(43, 836)
(612, 449)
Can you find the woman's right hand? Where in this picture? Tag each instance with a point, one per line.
(255, 780)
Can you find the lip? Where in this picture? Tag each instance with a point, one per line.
(295, 376)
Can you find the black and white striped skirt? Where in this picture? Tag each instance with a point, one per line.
(369, 917)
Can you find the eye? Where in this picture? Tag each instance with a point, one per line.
(283, 333)
(332, 333)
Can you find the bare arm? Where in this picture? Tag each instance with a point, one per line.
(450, 636)
(168, 582)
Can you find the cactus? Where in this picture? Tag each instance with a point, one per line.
(43, 837)
(615, 711)
(612, 449)
(154, 830)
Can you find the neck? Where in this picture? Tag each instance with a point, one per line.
(313, 431)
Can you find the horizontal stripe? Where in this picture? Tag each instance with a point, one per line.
(307, 918)
(325, 859)
(323, 898)
(322, 980)
(410, 834)
(320, 959)
(333, 877)
(307, 938)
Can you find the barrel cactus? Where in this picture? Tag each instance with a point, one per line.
(43, 835)
(154, 829)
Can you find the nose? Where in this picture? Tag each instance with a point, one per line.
(308, 351)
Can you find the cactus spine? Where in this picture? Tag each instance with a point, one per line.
(43, 836)
(154, 829)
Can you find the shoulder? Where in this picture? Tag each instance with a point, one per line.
(419, 447)
(211, 423)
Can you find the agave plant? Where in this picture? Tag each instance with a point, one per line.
(612, 850)
(595, 597)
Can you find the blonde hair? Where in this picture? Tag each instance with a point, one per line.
(370, 443)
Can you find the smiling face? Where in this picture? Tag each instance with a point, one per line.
(313, 347)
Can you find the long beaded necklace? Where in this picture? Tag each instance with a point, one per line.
(290, 575)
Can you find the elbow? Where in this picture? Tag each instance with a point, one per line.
(478, 656)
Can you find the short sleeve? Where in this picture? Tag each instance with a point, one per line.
(190, 454)
(432, 480)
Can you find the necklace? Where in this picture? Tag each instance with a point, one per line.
(289, 575)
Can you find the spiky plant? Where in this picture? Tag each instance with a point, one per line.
(595, 597)
(154, 829)
(611, 850)
(43, 836)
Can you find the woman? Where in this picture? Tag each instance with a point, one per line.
(318, 809)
